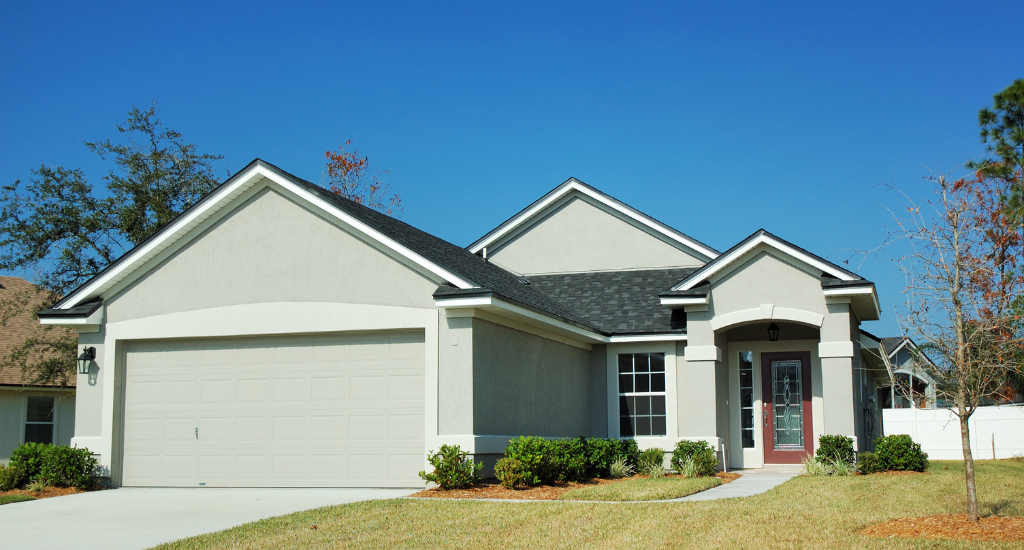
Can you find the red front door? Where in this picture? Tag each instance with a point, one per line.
(786, 400)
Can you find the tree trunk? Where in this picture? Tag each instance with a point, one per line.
(965, 442)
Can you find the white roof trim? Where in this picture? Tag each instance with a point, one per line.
(763, 239)
(670, 337)
(627, 211)
(684, 301)
(192, 218)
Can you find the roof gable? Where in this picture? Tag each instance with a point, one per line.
(257, 172)
(737, 255)
(573, 188)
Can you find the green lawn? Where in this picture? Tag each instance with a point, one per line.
(7, 499)
(643, 488)
(802, 513)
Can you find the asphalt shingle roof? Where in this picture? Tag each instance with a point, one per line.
(616, 302)
(20, 327)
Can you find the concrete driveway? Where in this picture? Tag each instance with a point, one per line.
(141, 518)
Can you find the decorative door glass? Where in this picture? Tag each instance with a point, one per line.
(787, 389)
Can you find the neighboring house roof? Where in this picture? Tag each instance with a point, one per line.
(541, 205)
(17, 329)
(616, 302)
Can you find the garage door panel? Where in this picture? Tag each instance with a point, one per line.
(324, 410)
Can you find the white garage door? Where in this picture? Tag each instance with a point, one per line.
(306, 411)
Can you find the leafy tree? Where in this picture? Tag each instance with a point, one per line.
(60, 228)
(349, 175)
(1002, 129)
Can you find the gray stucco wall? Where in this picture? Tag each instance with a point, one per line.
(297, 255)
(89, 397)
(455, 376)
(581, 237)
(599, 391)
(528, 385)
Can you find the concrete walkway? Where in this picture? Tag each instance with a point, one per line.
(748, 484)
(141, 518)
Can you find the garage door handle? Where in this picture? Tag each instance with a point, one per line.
(197, 432)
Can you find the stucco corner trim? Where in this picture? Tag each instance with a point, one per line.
(835, 349)
(702, 353)
(764, 313)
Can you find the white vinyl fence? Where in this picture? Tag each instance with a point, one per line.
(996, 432)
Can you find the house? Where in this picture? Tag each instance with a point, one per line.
(276, 334)
(911, 387)
(29, 411)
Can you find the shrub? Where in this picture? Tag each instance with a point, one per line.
(835, 448)
(629, 450)
(704, 458)
(11, 477)
(620, 468)
(869, 463)
(569, 457)
(511, 473)
(68, 467)
(536, 455)
(601, 454)
(900, 453)
(452, 468)
(29, 456)
(652, 462)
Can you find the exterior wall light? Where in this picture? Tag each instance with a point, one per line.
(85, 360)
(773, 332)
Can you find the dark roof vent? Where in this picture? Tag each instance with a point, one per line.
(524, 280)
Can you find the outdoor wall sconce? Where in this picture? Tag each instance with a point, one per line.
(85, 360)
(773, 332)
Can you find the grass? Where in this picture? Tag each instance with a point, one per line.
(805, 512)
(642, 488)
(8, 499)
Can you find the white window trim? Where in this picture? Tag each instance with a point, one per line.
(671, 398)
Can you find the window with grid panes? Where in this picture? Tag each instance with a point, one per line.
(642, 394)
(39, 420)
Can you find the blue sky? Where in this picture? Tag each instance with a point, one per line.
(715, 119)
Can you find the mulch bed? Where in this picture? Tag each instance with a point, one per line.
(957, 527)
(46, 493)
(490, 488)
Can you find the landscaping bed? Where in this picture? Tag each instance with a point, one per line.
(951, 526)
(33, 495)
(636, 487)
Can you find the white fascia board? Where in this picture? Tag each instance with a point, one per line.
(626, 211)
(725, 261)
(685, 301)
(867, 290)
(671, 337)
(224, 196)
